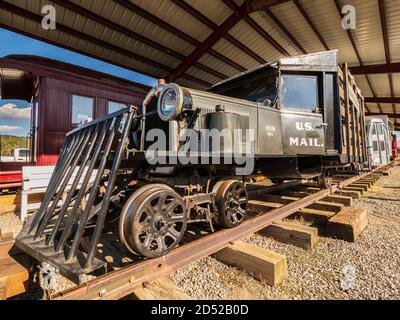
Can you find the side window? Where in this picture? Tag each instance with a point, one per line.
(115, 106)
(380, 130)
(383, 146)
(82, 110)
(300, 92)
(375, 146)
(373, 128)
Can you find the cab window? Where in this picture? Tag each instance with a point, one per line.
(380, 130)
(373, 129)
(300, 92)
(375, 146)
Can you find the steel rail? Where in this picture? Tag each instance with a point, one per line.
(120, 283)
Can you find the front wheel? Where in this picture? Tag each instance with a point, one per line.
(154, 222)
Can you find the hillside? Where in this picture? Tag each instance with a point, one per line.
(8, 143)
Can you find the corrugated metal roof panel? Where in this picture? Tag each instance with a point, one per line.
(396, 84)
(363, 85)
(294, 21)
(392, 10)
(215, 10)
(380, 82)
(327, 20)
(173, 14)
(368, 33)
(372, 107)
(254, 41)
(387, 107)
(267, 24)
(226, 48)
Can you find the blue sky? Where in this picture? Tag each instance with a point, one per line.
(13, 114)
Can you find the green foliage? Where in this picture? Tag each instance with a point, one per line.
(8, 143)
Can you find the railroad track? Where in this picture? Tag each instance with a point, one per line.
(120, 283)
(271, 203)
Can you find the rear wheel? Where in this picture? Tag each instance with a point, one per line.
(154, 221)
(325, 179)
(231, 200)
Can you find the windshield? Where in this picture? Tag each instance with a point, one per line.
(299, 92)
(262, 88)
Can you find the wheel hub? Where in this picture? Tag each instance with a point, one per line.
(156, 222)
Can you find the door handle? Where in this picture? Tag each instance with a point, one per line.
(323, 124)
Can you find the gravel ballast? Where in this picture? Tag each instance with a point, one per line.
(366, 269)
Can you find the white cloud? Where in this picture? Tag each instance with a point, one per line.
(8, 129)
(10, 111)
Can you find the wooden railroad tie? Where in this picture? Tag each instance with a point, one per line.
(265, 265)
(160, 289)
(14, 268)
(295, 234)
(348, 224)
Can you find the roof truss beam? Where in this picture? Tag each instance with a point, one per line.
(353, 43)
(212, 25)
(228, 24)
(376, 68)
(311, 24)
(67, 4)
(75, 33)
(392, 100)
(382, 16)
(260, 30)
(285, 30)
(258, 5)
(175, 31)
(390, 115)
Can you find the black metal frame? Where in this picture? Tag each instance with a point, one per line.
(86, 149)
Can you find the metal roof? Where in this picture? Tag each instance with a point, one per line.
(198, 43)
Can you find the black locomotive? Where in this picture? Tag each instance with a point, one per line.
(185, 157)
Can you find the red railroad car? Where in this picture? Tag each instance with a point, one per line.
(62, 95)
(395, 151)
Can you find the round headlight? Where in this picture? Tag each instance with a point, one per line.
(170, 102)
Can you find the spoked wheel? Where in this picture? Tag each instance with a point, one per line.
(153, 221)
(231, 200)
(325, 179)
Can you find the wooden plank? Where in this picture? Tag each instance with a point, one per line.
(9, 199)
(15, 199)
(3, 288)
(14, 271)
(364, 187)
(348, 224)
(6, 235)
(358, 189)
(8, 209)
(326, 206)
(161, 289)
(339, 199)
(318, 216)
(263, 264)
(298, 235)
(349, 193)
(8, 248)
(262, 206)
